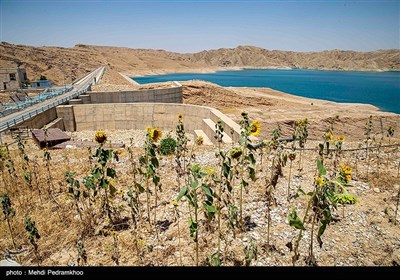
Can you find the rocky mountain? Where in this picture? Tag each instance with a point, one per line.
(59, 64)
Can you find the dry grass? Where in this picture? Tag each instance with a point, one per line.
(60, 226)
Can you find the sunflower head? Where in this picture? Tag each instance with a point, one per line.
(348, 178)
(236, 153)
(292, 156)
(155, 134)
(255, 128)
(199, 140)
(180, 117)
(148, 129)
(209, 170)
(340, 138)
(346, 170)
(174, 203)
(319, 181)
(100, 137)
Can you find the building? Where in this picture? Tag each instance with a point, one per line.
(12, 78)
(41, 84)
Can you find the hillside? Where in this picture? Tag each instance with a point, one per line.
(55, 62)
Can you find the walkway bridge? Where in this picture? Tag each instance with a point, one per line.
(79, 87)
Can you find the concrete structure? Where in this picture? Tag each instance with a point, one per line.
(129, 79)
(42, 110)
(41, 84)
(50, 137)
(171, 94)
(197, 119)
(12, 78)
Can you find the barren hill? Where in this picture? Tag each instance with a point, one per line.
(57, 62)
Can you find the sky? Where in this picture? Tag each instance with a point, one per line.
(190, 26)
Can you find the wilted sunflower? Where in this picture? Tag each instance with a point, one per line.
(180, 117)
(255, 128)
(319, 181)
(155, 134)
(100, 137)
(340, 138)
(390, 131)
(236, 153)
(292, 156)
(199, 140)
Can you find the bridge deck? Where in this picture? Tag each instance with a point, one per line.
(78, 88)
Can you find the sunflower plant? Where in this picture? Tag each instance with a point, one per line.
(389, 134)
(181, 149)
(74, 190)
(26, 169)
(341, 195)
(102, 175)
(148, 165)
(338, 149)
(7, 163)
(322, 201)
(9, 213)
(192, 192)
(300, 134)
(368, 138)
(247, 159)
(279, 160)
(250, 250)
(223, 179)
(82, 255)
(33, 235)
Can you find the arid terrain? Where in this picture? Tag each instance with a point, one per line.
(361, 234)
(57, 62)
(76, 230)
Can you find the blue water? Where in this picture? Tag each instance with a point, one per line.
(381, 89)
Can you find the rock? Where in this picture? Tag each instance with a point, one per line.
(376, 190)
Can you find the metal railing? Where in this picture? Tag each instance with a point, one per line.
(24, 116)
(10, 108)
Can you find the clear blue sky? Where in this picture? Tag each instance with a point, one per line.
(191, 26)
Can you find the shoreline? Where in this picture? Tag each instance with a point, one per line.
(210, 70)
(207, 70)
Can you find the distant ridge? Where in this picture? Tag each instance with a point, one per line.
(53, 62)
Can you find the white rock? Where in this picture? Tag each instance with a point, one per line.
(376, 190)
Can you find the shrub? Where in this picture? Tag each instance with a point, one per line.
(168, 145)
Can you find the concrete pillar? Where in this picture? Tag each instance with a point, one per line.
(66, 112)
